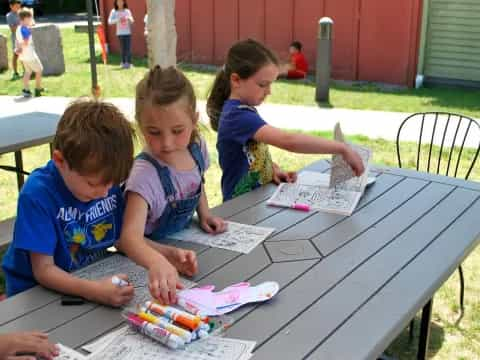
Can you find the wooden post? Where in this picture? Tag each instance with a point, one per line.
(324, 59)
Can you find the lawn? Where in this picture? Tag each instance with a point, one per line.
(449, 340)
(76, 82)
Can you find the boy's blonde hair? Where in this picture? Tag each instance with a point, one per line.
(94, 137)
(25, 13)
(162, 87)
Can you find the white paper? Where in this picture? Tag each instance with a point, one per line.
(130, 345)
(119, 264)
(342, 175)
(313, 178)
(238, 237)
(68, 354)
(316, 197)
(104, 340)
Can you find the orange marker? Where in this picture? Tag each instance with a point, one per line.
(189, 321)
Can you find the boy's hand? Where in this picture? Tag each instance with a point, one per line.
(114, 295)
(34, 343)
(280, 176)
(164, 281)
(213, 224)
(354, 160)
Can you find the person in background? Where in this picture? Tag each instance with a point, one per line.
(13, 21)
(122, 17)
(27, 53)
(297, 68)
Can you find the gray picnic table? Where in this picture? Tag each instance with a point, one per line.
(349, 285)
(18, 132)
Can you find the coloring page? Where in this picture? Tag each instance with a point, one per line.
(119, 264)
(342, 176)
(316, 197)
(238, 237)
(131, 345)
(313, 178)
(68, 354)
(99, 344)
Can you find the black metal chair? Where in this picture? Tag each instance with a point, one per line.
(14, 169)
(442, 139)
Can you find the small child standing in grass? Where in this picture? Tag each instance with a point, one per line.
(243, 136)
(13, 21)
(27, 54)
(122, 17)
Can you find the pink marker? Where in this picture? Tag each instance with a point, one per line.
(301, 207)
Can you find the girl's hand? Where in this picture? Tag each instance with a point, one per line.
(354, 160)
(213, 224)
(280, 176)
(185, 261)
(114, 295)
(34, 343)
(164, 281)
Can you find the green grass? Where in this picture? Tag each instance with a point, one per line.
(449, 340)
(114, 83)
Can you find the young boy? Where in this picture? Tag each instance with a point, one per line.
(13, 21)
(27, 54)
(298, 66)
(70, 211)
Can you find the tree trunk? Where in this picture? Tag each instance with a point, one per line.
(162, 34)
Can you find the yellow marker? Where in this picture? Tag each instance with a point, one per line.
(184, 334)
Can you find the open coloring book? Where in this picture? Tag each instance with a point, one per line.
(340, 195)
(119, 264)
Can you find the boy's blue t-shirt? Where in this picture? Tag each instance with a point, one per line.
(246, 164)
(51, 221)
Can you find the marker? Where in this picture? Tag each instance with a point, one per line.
(155, 332)
(184, 334)
(301, 207)
(181, 317)
(119, 282)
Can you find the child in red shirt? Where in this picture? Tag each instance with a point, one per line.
(298, 66)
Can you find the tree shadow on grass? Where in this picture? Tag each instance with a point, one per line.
(404, 349)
